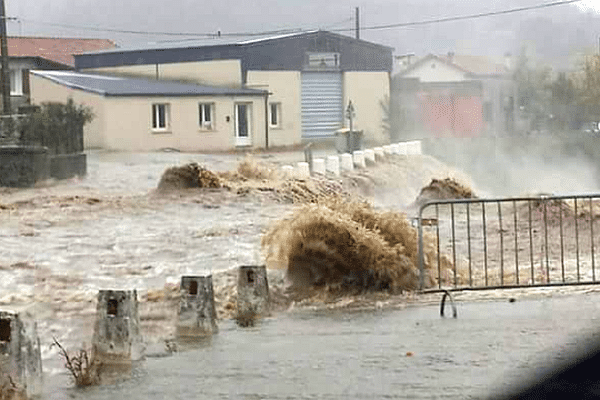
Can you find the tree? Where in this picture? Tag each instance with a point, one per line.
(587, 87)
(57, 126)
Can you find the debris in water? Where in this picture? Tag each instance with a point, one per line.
(250, 178)
(345, 246)
(441, 189)
(84, 369)
(189, 176)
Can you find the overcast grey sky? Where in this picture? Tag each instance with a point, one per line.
(556, 30)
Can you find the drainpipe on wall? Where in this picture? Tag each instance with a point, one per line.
(267, 93)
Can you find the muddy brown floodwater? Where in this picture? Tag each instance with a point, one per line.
(62, 241)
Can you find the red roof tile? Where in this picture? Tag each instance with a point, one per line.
(59, 50)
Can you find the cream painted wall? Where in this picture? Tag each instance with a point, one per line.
(436, 71)
(284, 87)
(225, 73)
(125, 123)
(367, 90)
(130, 125)
(44, 90)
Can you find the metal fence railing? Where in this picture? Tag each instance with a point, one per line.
(509, 242)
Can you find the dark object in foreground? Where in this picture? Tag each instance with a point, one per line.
(576, 380)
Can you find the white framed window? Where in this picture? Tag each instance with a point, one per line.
(16, 82)
(206, 113)
(275, 115)
(161, 117)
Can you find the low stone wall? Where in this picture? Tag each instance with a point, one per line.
(23, 166)
(65, 166)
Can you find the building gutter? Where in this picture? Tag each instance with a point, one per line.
(267, 93)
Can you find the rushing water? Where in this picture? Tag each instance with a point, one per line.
(405, 354)
(409, 353)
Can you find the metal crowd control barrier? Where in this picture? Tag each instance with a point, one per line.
(474, 244)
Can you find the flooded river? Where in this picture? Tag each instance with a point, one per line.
(61, 242)
(410, 353)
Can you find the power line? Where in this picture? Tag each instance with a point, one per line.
(465, 17)
(134, 32)
(300, 30)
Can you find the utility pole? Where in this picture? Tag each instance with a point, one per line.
(5, 76)
(357, 23)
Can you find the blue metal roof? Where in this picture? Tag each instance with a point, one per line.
(106, 85)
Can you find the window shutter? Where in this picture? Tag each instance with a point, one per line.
(25, 81)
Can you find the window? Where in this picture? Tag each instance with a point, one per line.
(160, 117)
(206, 114)
(275, 115)
(320, 60)
(16, 83)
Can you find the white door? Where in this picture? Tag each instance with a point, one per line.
(243, 124)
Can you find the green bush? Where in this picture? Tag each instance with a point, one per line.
(57, 126)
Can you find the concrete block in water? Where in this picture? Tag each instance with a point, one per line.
(346, 163)
(402, 148)
(333, 165)
(414, 147)
(117, 337)
(358, 158)
(379, 153)
(20, 357)
(369, 156)
(394, 148)
(252, 293)
(319, 166)
(302, 170)
(197, 314)
(287, 171)
(387, 149)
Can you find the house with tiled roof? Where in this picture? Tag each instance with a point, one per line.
(44, 53)
(457, 95)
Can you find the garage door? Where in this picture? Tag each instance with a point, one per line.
(321, 103)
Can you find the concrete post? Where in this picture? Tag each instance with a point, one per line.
(116, 337)
(319, 166)
(402, 148)
(370, 156)
(303, 170)
(358, 158)
(379, 153)
(197, 314)
(346, 162)
(333, 165)
(20, 357)
(288, 171)
(253, 294)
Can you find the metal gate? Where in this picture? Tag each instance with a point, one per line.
(509, 243)
(322, 103)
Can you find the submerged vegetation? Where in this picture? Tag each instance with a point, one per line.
(82, 366)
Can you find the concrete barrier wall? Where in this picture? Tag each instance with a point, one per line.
(117, 337)
(20, 356)
(23, 166)
(65, 166)
(197, 314)
(335, 164)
